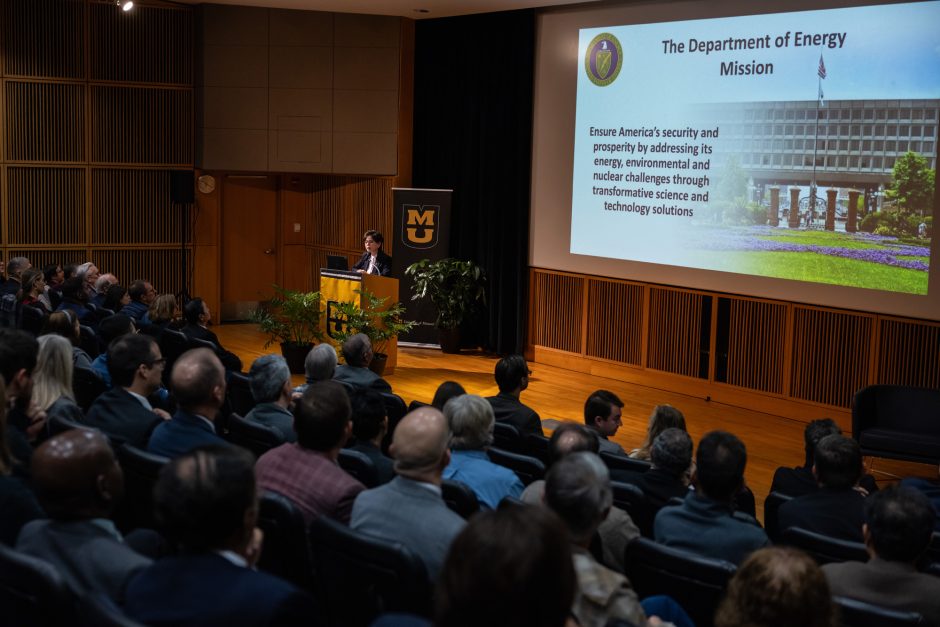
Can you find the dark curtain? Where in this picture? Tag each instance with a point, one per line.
(473, 134)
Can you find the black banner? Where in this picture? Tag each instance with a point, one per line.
(422, 231)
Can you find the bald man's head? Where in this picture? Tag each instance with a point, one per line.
(198, 380)
(77, 476)
(419, 444)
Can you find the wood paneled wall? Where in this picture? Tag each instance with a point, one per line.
(97, 107)
(790, 359)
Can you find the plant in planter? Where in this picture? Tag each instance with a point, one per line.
(291, 319)
(378, 322)
(455, 287)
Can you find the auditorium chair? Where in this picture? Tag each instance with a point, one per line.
(359, 466)
(32, 592)
(528, 469)
(254, 436)
(395, 409)
(823, 549)
(697, 583)
(898, 422)
(141, 470)
(286, 551)
(88, 341)
(537, 446)
(194, 342)
(32, 319)
(60, 424)
(631, 499)
(622, 462)
(359, 576)
(87, 386)
(238, 391)
(416, 404)
(172, 345)
(507, 437)
(771, 506)
(460, 498)
(855, 613)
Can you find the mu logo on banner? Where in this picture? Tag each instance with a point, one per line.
(420, 225)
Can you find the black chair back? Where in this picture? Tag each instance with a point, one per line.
(359, 466)
(88, 341)
(239, 393)
(60, 424)
(622, 462)
(631, 499)
(359, 577)
(87, 386)
(32, 319)
(537, 446)
(856, 613)
(771, 522)
(172, 345)
(507, 438)
(195, 342)
(460, 498)
(696, 582)
(257, 438)
(286, 553)
(141, 470)
(528, 469)
(824, 549)
(100, 612)
(415, 404)
(32, 593)
(395, 409)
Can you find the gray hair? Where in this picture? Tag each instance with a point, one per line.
(16, 265)
(104, 282)
(355, 348)
(83, 269)
(672, 451)
(268, 375)
(577, 488)
(320, 363)
(471, 420)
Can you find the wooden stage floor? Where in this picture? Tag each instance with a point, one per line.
(559, 394)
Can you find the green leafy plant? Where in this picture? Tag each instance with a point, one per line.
(455, 287)
(290, 317)
(378, 321)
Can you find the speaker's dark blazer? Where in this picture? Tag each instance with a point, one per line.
(382, 261)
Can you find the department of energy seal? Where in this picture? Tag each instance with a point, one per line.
(603, 59)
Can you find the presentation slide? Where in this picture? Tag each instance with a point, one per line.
(799, 146)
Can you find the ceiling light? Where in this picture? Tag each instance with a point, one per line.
(126, 5)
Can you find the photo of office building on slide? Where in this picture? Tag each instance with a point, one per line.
(835, 191)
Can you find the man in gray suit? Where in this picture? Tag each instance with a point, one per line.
(357, 352)
(898, 524)
(79, 480)
(409, 509)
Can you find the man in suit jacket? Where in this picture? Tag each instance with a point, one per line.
(897, 529)
(837, 509)
(78, 481)
(512, 377)
(271, 390)
(306, 472)
(370, 424)
(198, 382)
(374, 260)
(671, 455)
(142, 296)
(206, 501)
(197, 316)
(602, 411)
(410, 509)
(124, 412)
(357, 353)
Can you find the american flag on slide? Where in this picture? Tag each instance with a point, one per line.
(822, 68)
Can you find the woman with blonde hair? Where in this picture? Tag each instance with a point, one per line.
(663, 417)
(52, 379)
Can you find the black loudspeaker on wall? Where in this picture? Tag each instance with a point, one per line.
(182, 187)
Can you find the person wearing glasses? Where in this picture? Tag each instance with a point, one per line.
(373, 260)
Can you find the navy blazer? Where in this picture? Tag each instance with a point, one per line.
(185, 432)
(206, 590)
(382, 261)
(122, 417)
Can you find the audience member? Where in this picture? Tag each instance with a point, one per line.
(512, 377)
(602, 412)
(663, 417)
(164, 313)
(198, 383)
(898, 525)
(54, 275)
(837, 509)
(65, 323)
(668, 478)
(370, 424)
(104, 283)
(75, 299)
(16, 266)
(930, 489)
(52, 379)
(319, 365)
(357, 353)
(197, 315)
(577, 488)
(124, 412)
(508, 568)
(444, 392)
(777, 587)
(410, 509)
(470, 419)
(116, 298)
(705, 523)
(25, 420)
(142, 297)
(110, 329)
(88, 273)
(206, 502)
(78, 481)
(17, 502)
(33, 292)
(306, 471)
(69, 271)
(271, 390)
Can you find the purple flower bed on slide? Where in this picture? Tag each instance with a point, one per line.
(753, 239)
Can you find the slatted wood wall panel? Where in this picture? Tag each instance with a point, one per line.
(909, 353)
(133, 206)
(831, 355)
(344, 207)
(615, 321)
(675, 336)
(44, 121)
(557, 312)
(142, 125)
(149, 45)
(160, 266)
(44, 38)
(46, 205)
(757, 334)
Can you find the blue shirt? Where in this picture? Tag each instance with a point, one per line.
(491, 482)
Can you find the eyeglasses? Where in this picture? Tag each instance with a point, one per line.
(156, 362)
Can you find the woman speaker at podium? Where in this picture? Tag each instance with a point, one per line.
(374, 261)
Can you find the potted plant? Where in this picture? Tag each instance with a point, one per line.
(455, 287)
(379, 322)
(291, 319)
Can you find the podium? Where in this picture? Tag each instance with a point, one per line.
(343, 286)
